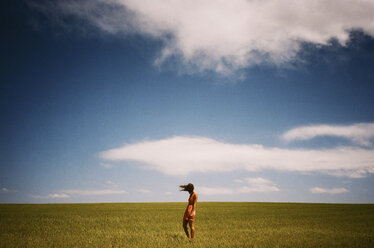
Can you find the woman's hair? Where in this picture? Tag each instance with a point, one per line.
(189, 187)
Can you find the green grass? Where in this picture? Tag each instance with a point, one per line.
(160, 225)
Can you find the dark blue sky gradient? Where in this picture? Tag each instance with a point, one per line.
(66, 95)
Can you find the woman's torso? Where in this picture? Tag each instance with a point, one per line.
(191, 199)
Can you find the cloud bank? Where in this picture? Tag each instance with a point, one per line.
(361, 133)
(331, 191)
(225, 36)
(181, 155)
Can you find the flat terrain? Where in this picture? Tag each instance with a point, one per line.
(223, 224)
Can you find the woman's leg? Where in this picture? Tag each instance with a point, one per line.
(192, 229)
(185, 228)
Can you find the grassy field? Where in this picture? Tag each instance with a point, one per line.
(160, 225)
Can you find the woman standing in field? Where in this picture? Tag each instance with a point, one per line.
(189, 214)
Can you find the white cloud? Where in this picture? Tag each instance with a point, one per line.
(331, 191)
(144, 191)
(94, 192)
(168, 193)
(51, 196)
(359, 133)
(222, 35)
(181, 155)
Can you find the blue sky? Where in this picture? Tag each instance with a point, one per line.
(123, 101)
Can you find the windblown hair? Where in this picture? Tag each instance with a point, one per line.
(189, 187)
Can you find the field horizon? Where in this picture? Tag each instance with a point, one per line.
(218, 224)
(115, 202)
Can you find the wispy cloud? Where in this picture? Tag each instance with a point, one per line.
(112, 184)
(94, 192)
(51, 196)
(215, 191)
(360, 133)
(144, 191)
(331, 191)
(258, 184)
(6, 190)
(169, 193)
(106, 165)
(184, 155)
(222, 35)
(253, 185)
(79, 192)
(238, 181)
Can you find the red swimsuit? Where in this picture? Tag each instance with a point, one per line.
(188, 213)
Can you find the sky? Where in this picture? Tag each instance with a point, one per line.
(124, 100)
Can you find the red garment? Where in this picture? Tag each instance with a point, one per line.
(188, 213)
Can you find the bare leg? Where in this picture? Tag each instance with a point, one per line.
(192, 229)
(185, 228)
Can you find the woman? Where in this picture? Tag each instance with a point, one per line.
(189, 214)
